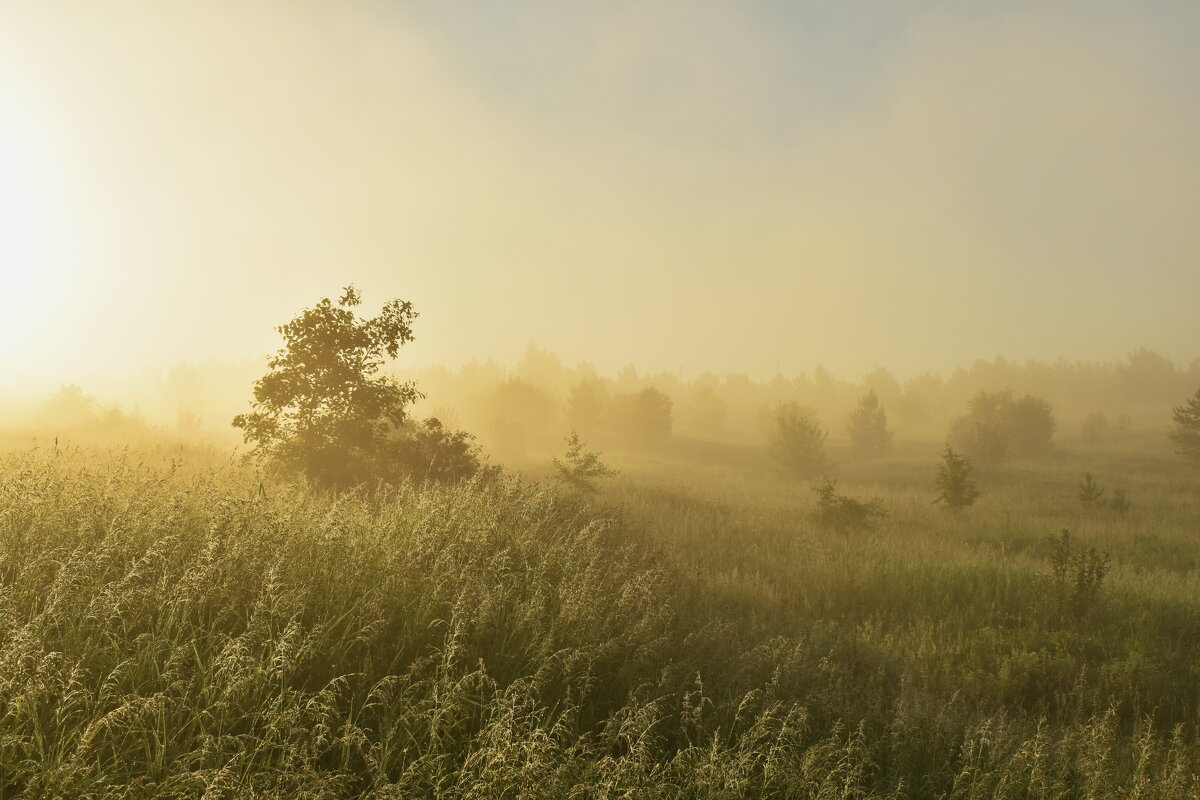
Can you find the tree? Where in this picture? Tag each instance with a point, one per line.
(645, 415)
(520, 417)
(587, 404)
(1031, 426)
(868, 426)
(323, 410)
(1187, 429)
(579, 467)
(707, 412)
(68, 406)
(983, 431)
(998, 425)
(954, 482)
(798, 442)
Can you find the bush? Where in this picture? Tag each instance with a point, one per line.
(580, 468)
(428, 449)
(1187, 429)
(955, 483)
(842, 513)
(1076, 575)
(798, 442)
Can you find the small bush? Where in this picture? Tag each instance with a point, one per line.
(842, 513)
(1076, 575)
(955, 483)
(580, 468)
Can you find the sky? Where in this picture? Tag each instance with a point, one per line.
(683, 185)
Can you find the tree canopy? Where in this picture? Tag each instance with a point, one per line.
(324, 410)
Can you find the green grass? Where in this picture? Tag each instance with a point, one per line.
(173, 626)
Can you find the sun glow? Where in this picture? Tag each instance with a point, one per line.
(33, 234)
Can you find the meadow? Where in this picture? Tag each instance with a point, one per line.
(174, 624)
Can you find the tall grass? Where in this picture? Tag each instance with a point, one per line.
(171, 629)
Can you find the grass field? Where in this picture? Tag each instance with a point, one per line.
(172, 625)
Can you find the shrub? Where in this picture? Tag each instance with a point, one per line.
(579, 467)
(1187, 429)
(430, 450)
(842, 513)
(798, 442)
(955, 483)
(1076, 575)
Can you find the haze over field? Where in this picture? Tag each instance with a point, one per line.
(695, 186)
(645, 399)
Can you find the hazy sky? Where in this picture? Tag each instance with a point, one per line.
(691, 184)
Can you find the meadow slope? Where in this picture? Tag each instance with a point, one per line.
(174, 626)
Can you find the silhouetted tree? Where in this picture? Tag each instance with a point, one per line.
(955, 483)
(1031, 426)
(587, 404)
(1187, 428)
(707, 412)
(644, 415)
(324, 411)
(520, 416)
(798, 442)
(68, 406)
(1148, 376)
(868, 427)
(998, 425)
(983, 431)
